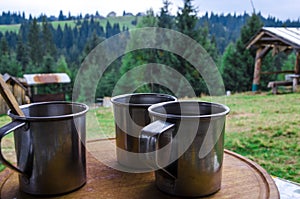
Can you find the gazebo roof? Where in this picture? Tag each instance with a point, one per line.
(277, 37)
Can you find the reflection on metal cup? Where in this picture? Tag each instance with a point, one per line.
(50, 147)
(131, 115)
(185, 144)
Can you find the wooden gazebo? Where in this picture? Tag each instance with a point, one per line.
(277, 39)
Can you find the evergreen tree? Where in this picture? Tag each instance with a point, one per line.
(228, 73)
(47, 39)
(61, 16)
(62, 66)
(138, 57)
(23, 31)
(8, 64)
(22, 55)
(108, 29)
(58, 38)
(165, 20)
(149, 20)
(239, 66)
(48, 64)
(4, 48)
(186, 20)
(92, 43)
(34, 43)
(68, 39)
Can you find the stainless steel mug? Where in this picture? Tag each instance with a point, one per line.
(50, 147)
(184, 144)
(131, 115)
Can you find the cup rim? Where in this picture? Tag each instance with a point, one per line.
(50, 118)
(164, 115)
(115, 99)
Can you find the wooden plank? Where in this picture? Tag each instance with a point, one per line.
(297, 64)
(255, 39)
(263, 53)
(280, 83)
(274, 85)
(277, 72)
(10, 98)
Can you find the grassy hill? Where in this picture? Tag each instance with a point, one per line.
(13, 28)
(125, 21)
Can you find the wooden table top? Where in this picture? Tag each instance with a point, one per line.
(241, 178)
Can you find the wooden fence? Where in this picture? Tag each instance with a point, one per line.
(18, 91)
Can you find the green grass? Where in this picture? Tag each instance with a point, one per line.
(100, 123)
(123, 22)
(264, 128)
(9, 28)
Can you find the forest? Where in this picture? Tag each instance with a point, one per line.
(39, 46)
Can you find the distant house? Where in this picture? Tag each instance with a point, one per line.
(53, 18)
(112, 14)
(140, 14)
(17, 89)
(127, 14)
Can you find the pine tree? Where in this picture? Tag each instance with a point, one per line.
(108, 29)
(62, 66)
(68, 39)
(22, 55)
(165, 20)
(47, 39)
(149, 20)
(4, 48)
(132, 60)
(61, 16)
(92, 43)
(34, 43)
(239, 66)
(58, 36)
(186, 20)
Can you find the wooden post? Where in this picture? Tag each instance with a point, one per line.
(257, 70)
(297, 72)
(297, 64)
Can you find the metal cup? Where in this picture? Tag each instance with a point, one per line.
(50, 147)
(131, 115)
(184, 144)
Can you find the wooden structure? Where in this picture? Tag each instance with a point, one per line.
(279, 40)
(241, 178)
(34, 81)
(17, 89)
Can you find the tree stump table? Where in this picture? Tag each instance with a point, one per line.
(241, 178)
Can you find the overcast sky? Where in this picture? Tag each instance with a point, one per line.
(281, 9)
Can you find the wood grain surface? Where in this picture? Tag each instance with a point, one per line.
(241, 178)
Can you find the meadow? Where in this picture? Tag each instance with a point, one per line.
(125, 21)
(262, 127)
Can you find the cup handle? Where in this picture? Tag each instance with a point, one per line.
(149, 141)
(5, 130)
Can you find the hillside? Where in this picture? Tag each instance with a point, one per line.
(123, 21)
(224, 29)
(41, 45)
